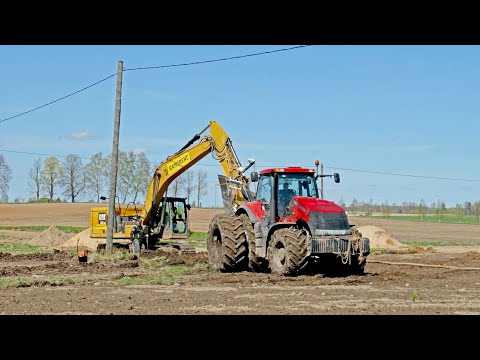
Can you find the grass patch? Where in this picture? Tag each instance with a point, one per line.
(198, 235)
(154, 263)
(25, 228)
(21, 281)
(198, 239)
(166, 275)
(22, 248)
(67, 229)
(444, 219)
(434, 243)
(114, 255)
(71, 229)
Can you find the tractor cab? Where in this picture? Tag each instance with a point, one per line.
(278, 186)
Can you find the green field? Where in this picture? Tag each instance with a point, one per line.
(446, 219)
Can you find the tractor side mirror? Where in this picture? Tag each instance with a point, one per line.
(254, 176)
(336, 177)
(188, 206)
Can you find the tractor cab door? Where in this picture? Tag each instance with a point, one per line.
(264, 193)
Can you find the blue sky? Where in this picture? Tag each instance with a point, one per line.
(410, 110)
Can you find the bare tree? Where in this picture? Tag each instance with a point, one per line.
(441, 210)
(35, 174)
(354, 205)
(386, 209)
(370, 207)
(189, 186)
(476, 210)
(73, 177)
(141, 175)
(51, 175)
(5, 177)
(96, 174)
(126, 171)
(201, 185)
(178, 185)
(460, 211)
(422, 209)
(468, 206)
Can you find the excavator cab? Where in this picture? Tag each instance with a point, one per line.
(174, 218)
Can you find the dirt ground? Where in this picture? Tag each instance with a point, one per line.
(411, 280)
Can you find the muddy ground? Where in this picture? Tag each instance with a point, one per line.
(418, 280)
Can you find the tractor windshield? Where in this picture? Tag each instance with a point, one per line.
(294, 184)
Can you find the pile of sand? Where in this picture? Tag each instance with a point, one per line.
(51, 237)
(379, 238)
(84, 241)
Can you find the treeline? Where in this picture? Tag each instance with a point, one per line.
(421, 208)
(52, 180)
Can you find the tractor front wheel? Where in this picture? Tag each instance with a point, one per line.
(287, 251)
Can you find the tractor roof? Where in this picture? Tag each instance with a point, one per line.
(291, 169)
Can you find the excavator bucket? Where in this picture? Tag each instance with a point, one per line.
(227, 189)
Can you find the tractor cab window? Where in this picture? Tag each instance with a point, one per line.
(264, 193)
(293, 184)
(264, 189)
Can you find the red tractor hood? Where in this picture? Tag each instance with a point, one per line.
(307, 204)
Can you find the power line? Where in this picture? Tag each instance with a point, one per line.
(154, 67)
(270, 166)
(63, 97)
(216, 60)
(35, 153)
(406, 175)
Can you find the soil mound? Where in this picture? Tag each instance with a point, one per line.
(379, 238)
(51, 237)
(84, 241)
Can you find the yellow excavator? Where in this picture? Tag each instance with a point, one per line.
(164, 217)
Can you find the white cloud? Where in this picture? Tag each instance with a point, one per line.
(81, 135)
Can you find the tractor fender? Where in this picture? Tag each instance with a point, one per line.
(246, 210)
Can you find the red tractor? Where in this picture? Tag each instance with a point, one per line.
(286, 229)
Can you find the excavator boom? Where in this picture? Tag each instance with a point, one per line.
(217, 143)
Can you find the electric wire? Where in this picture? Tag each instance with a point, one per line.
(270, 166)
(59, 99)
(153, 67)
(216, 60)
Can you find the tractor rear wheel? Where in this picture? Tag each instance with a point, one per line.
(287, 251)
(255, 264)
(227, 244)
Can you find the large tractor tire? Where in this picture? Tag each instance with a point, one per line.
(227, 244)
(287, 251)
(357, 267)
(255, 264)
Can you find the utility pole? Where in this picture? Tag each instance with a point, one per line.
(114, 168)
(321, 175)
(321, 180)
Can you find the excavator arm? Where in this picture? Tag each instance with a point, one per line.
(220, 146)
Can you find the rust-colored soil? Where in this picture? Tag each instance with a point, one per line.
(57, 283)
